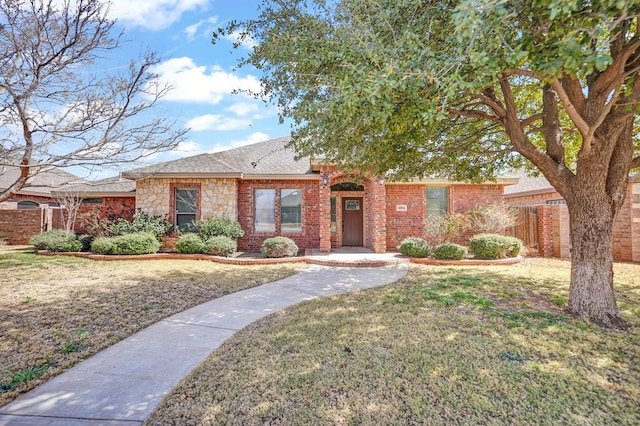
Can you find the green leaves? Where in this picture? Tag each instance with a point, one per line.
(400, 86)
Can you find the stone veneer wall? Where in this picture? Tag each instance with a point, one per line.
(217, 196)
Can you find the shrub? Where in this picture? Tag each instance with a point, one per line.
(495, 246)
(492, 218)
(450, 251)
(447, 228)
(279, 247)
(138, 243)
(86, 241)
(514, 246)
(102, 245)
(216, 226)
(222, 245)
(414, 247)
(159, 226)
(190, 244)
(56, 240)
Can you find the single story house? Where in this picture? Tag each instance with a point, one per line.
(272, 193)
(537, 194)
(30, 210)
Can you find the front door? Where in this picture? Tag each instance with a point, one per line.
(352, 221)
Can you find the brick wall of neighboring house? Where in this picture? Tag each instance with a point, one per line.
(309, 237)
(12, 202)
(17, 226)
(217, 196)
(112, 207)
(554, 232)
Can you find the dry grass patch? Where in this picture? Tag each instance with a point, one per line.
(445, 345)
(59, 310)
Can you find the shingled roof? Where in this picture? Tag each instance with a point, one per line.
(115, 186)
(41, 184)
(259, 160)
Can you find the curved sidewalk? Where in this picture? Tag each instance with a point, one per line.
(123, 384)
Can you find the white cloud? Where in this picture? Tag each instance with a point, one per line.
(246, 41)
(153, 15)
(216, 122)
(186, 148)
(207, 24)
(243, 109)
(202, 84)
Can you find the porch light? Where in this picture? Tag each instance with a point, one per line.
(325, 180)
(380, 180)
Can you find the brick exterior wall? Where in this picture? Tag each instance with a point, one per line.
(112, 207)
(12, 202)
(309, 237)
(17, 226)
(402, 224)
(554, 228)
(409, 223)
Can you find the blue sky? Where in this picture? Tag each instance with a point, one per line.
(202, 74)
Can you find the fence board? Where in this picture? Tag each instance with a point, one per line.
(526, 227)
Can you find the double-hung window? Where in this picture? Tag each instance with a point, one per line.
(265, 210)
(437, 200)
(186, 207)
(290, 210)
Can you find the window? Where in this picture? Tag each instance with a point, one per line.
(290, 210)
(437, 200)
(186, 207)
(265, 210)
(334, 216)
(28, 205)
(91, 201)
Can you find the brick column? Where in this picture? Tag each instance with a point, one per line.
(324, 201)
(545, 230)
(378, 217)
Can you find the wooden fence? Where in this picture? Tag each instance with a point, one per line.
(526, 227)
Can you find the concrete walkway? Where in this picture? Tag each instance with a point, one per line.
(123, 384)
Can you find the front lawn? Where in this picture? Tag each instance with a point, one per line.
(55, 311)
(445, 345)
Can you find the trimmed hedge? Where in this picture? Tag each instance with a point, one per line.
(137, 243)
(279, 247)
(450, 251)
(56, 240)
(414, 247)
(495, 246)
(217, 226)
(221, 245)
(190, 244)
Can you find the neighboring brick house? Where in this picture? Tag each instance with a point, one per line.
(553, 218)
(112, 198)
(31, 209)
(270, 193)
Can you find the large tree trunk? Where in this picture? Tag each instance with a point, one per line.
(591, 293)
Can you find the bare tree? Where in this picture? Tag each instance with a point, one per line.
(70, 201)
(61, 102)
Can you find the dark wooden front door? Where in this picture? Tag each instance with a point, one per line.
(352, 221)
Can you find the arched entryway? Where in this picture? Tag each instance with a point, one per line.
(349, 198)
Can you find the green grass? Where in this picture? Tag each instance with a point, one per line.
(56, 311)
(442, 346)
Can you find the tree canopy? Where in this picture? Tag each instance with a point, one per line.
(425, 87)
(467, 89)
(63, 100)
